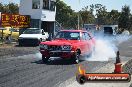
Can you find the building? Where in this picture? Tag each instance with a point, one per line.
(90, 27)
(42, 13)
(109, 29)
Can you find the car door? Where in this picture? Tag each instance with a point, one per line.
(84, 45)
(88, 42)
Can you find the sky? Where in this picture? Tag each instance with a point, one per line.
(75, 5)
(110, 4)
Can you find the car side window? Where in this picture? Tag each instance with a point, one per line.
(83, 36)
(86, 36)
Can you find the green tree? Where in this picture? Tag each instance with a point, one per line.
(112, 17)
(130, 23)
(73, 20)
(101, 13)
(87, 16)
(1, 7)
(13, 8)
(9, 8)
(124, 18)
(65, 15)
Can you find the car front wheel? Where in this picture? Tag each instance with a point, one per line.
(45, 59)
(76, 58)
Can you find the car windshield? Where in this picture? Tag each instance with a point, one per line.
(32, 31)
(68, 35)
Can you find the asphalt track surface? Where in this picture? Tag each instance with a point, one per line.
(29, 71)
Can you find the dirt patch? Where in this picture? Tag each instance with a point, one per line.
(12, 50)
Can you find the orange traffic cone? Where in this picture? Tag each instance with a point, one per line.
(118, 64)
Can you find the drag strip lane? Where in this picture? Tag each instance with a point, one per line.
(31, 72)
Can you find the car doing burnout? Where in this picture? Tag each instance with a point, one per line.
(68, 44)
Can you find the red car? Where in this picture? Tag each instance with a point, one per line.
(68, 44)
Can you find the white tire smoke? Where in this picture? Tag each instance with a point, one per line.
(106, 47)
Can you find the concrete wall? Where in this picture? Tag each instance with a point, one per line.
(48, 15)
(42, 14)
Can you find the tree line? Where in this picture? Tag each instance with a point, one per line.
(9, 8)
(93, 14)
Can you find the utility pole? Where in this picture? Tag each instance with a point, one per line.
(78, 22)
(78, 17)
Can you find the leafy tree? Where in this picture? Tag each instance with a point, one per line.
(1, 7)
(87, 16)
(9, 8)
(101, 13)
(13, 8)
(124, 17)
(130, 23)
(65, 15)
(112, 17)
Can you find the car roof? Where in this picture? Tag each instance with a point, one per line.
(74, 30)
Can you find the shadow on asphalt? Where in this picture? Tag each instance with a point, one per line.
(55, 62)
(26, 45)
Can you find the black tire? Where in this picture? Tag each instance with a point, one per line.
(20, 44)
(76, 58)
(45, 59)
(81, 79)
(8, 39)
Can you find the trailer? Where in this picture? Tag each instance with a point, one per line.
(110, 29)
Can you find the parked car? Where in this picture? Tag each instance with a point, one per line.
(10, 33)
(32, 36)
(14, 33)
(68, 44)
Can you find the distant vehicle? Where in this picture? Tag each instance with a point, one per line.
(10, 33)
(32, 36)
(110, 29)
(90, 27)
(125, 32)
(68, 44)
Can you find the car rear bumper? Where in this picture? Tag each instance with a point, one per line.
(29, 41)
(62, 54)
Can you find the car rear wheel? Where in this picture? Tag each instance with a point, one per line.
(45, 59)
